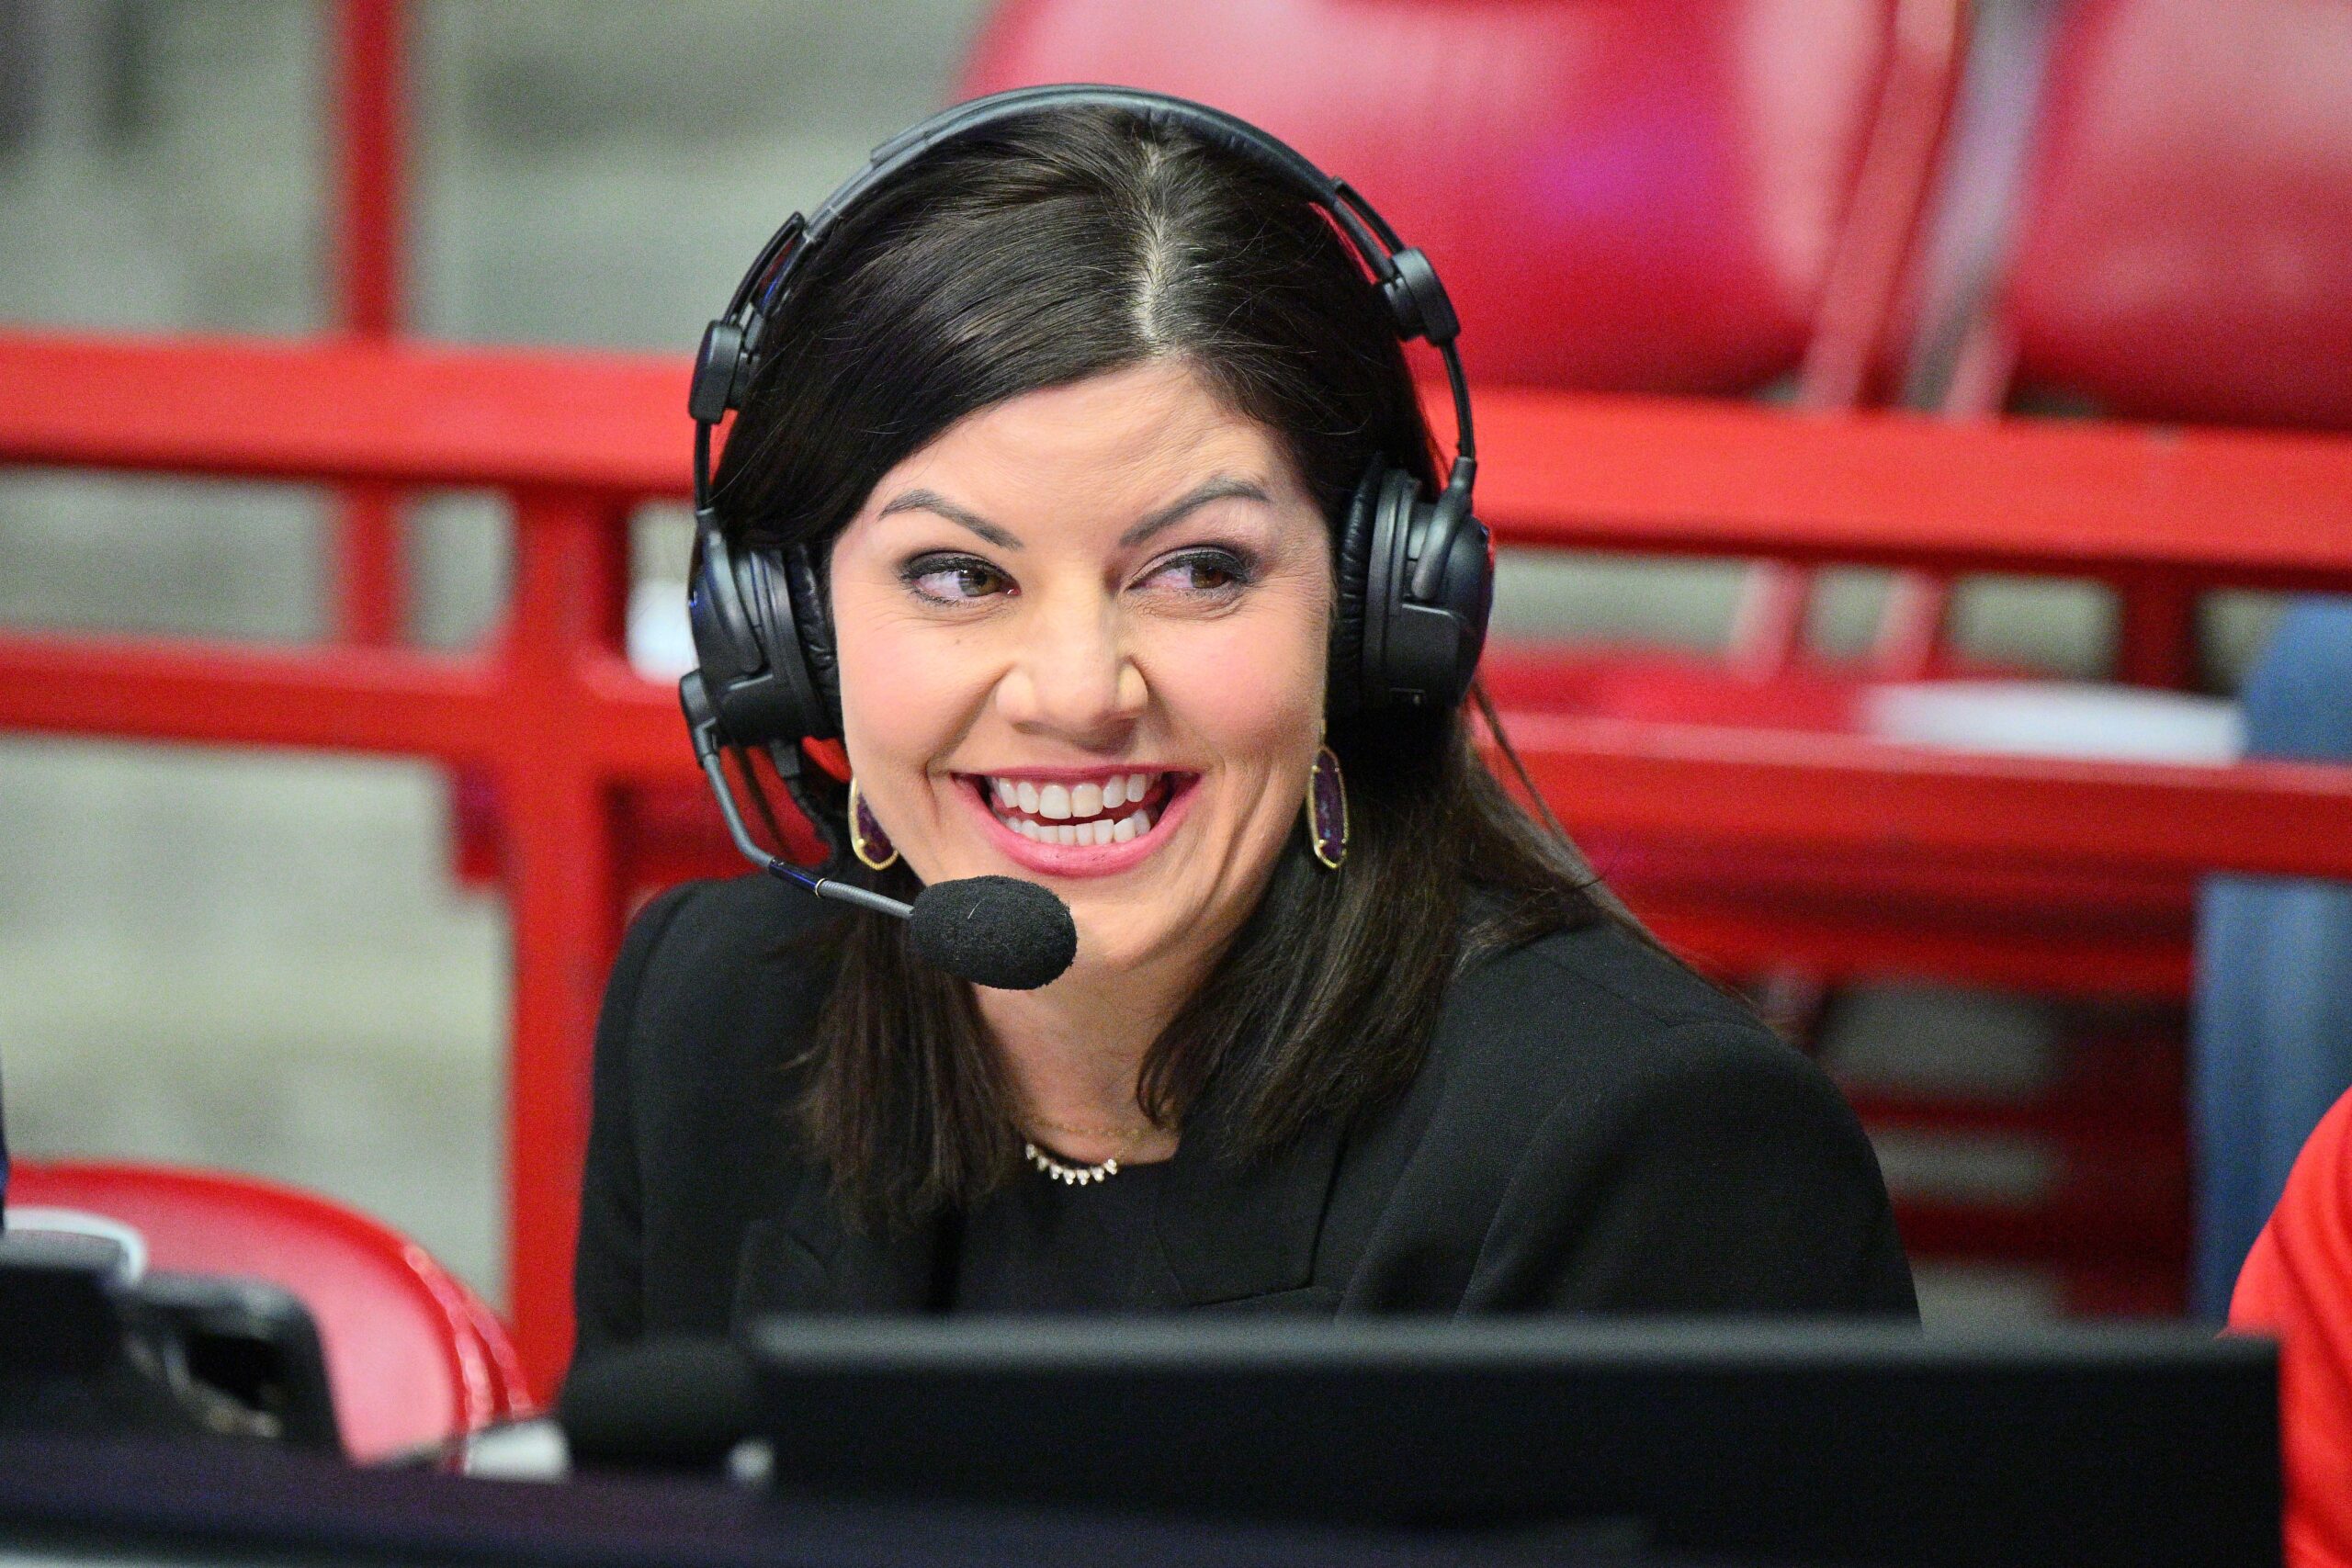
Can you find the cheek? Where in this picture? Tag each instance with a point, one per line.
(902, 700)
(1255, 697)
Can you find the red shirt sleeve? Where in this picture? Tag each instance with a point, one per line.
(2297, 1284)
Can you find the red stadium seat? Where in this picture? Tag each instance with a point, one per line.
(1628, 197)
(2188, 249)
(413, 1355)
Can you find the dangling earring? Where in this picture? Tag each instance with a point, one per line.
(1326, 809)
(867, 842)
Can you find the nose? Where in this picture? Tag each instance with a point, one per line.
(1072, 677)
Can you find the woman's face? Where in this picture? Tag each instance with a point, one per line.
(1082, 641)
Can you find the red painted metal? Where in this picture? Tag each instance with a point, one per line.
(1874, 244)
(369, 143)
(1834, 791)
(1897, 489)
(407, 413)
(1737, 940)
(1610, 775)
(571, 587)
(1638, 474)
(1773, 621)
(387, 702)
(370, 569)
(568, 736)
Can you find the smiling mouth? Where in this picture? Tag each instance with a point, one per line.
(1105, 808)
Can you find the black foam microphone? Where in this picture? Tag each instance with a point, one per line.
(666, 1402)
(997, 932)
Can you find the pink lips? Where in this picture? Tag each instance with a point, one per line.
(1079, 860)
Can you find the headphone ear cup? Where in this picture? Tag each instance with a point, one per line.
(815, 644)
(1422, 654)
(1394, 509)
(725, 647)
(746, 650)
(1465, 593)
(1345, 678)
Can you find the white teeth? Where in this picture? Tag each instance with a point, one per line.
(1082, 814)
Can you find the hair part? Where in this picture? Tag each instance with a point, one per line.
(1065, 246)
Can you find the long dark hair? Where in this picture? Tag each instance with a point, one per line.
(1045, 251)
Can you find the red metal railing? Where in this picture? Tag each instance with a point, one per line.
(371, 109)
(553, 714)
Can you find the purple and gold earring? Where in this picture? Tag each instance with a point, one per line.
(1326, 809)
(867, 842)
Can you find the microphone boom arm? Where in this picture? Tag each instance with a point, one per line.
(706, 738)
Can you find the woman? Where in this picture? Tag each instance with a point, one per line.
(1057, 423)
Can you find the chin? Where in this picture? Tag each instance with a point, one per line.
(1110, 940)
(1116, 937)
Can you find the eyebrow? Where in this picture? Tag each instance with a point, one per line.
(1223, 488)
(932, 501)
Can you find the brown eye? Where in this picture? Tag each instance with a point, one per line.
(1211, 574)
(953, 580)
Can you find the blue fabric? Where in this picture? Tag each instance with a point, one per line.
(2271, 1033)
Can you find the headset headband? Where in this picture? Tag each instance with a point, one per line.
(1415, 299)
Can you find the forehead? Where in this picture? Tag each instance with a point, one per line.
(1118, 439)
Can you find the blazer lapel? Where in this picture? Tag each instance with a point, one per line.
(1232, 1230)
(805, 1257)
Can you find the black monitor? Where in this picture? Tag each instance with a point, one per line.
(1827, 1443)
(89, 1345)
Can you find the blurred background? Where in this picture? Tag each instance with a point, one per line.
(262, 959)
(300, 963)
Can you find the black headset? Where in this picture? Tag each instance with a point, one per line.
(1416, 574)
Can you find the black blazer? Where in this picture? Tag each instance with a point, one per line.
(1594, 1131)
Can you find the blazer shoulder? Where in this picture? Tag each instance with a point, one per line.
(734, 918)
(1633, 1139)
(1595, 999)
(1594, 1033)
(1592, 1023)
(721, 976)
(1621, 971)
(707, 936)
